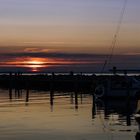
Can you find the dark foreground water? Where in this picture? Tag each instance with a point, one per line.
(39, 115)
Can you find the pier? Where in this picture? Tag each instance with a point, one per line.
(114, 85)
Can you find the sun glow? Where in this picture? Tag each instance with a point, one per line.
(35, 63)
(39, 64)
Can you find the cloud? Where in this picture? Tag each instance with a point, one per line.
(73, 61)
(43, 53)
(70, 56)
(35, 50)
(31, 50)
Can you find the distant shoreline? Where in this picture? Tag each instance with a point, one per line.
(69, 73)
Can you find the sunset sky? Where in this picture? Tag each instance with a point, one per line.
(67, 34)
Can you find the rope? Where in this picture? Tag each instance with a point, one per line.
(115, 37)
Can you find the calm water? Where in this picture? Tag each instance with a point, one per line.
(37, 115)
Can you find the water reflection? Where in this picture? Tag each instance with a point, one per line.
(85, 114)
(124, 108)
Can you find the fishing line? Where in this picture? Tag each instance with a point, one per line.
(115, 37)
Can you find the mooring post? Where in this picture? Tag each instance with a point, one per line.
(10, 93)
(27, 95)
(128, 119)
(76, 92)
(10, 86)
(52, 90)
(51, 97)
(93, 106)
(71, 97)
(76, 100)
(76, 95)
(81, 98)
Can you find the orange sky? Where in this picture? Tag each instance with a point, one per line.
(64, 26)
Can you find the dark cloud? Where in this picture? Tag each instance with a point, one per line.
(81, 61)
(53, 55)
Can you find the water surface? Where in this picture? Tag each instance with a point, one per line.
(41, 115)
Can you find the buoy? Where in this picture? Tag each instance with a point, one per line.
(99, 91)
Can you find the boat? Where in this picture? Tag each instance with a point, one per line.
(118, 87)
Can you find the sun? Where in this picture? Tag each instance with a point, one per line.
(35, 63)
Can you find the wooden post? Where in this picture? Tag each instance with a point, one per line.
(10, 93)
(76, 93)
(71, 97)
(27, 95)
(81, 98)
(128, 119)
(76, 100)
(10, 86)
(52, 91)
(51, 97)
(93, 107)
(114, 70)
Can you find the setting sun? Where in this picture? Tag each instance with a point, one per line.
(35, 63)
